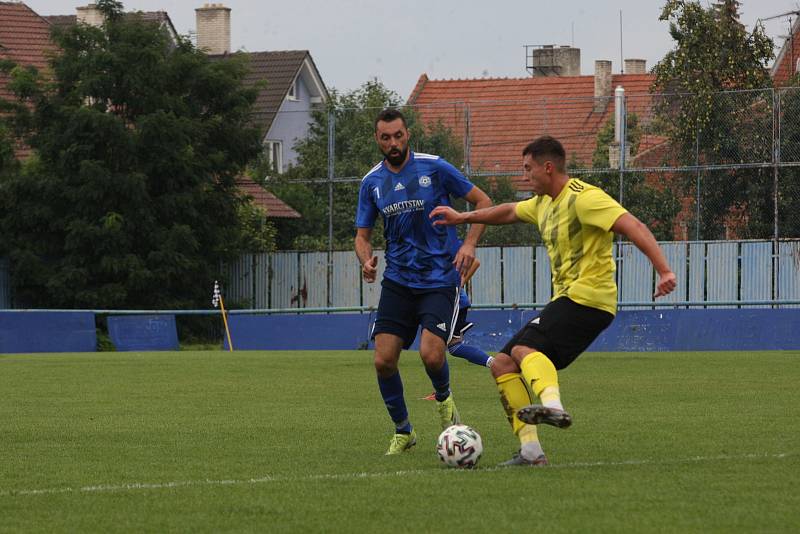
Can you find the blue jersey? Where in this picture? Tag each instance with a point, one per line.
(418, 254)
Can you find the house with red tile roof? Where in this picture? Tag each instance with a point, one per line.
(25, 39)
(501, 115)
(787, 62)
(275, 207)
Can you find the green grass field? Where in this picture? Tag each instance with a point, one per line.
(294, 441)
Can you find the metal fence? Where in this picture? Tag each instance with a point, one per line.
(710, 273)
(726, 167)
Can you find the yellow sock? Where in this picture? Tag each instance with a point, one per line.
(514, 395)
(528, 434)
(541, 375)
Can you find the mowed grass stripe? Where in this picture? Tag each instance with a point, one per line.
(717, 433)
(137, 486)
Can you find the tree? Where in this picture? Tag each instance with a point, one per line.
(130, 199)
(715, 109)
(501, 189)
(656, 206)
(305, 186)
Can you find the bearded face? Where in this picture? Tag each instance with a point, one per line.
(392, 138)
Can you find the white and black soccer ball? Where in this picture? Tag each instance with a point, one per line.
(459, 446)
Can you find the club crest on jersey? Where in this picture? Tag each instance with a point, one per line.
(424, 181)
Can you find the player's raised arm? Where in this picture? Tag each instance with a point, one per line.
(466, 253)
(495, 215)
(641, 236)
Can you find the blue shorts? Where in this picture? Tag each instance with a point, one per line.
(402, 310)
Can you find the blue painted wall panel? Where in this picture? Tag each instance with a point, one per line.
(518, 274)
(722, 264)
(756, 271)
(635, 275)
(314, 279)
(676, 258)
(284, 284)
(789, 272)
(544, 276)
(143, 332)
(712, 329)
(299, 332)
(47, 332)
(644, 330)
(345, 285)
(486, 283)
(261, 280)
(697, 271)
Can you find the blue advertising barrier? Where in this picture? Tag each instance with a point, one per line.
(47, 332)
(688, 330)
(634, 331)
(648, 330)
(666, 330)
(143, 332)
(303, 332)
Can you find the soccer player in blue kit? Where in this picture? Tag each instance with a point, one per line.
(422, 278)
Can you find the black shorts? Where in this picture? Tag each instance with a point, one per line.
(562, 331)
(401, 310)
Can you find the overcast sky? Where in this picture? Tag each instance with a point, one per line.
(352, 41)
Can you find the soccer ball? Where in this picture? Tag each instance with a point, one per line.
(459, 446)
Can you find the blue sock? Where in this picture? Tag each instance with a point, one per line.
(469, 353)
(441, 381)
(392, 393)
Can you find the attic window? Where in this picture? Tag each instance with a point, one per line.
(292, 94)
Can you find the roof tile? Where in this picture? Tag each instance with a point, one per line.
(262, 198)
(507, 113)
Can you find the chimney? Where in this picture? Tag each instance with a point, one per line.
(616, 158)
(602, 85)
(90, 15)
(214, 28)
(635, 66)
(550, 60)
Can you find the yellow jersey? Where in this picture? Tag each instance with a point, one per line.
(576, 229)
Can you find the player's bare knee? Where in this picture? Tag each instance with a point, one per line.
(503, 364)
(519, 352)
(385, 364)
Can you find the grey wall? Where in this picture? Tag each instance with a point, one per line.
(708, 271)
(291, 123)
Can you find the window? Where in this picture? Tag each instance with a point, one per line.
(292, 94)
(274, 153)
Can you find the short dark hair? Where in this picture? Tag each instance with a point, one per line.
(388, 115)
(547, 147)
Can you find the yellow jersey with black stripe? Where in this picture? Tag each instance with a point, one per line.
(576, 229)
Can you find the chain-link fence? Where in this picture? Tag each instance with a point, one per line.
(722, 166)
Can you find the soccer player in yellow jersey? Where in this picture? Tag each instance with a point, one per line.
(577, 222)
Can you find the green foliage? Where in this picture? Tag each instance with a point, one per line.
(715, 53)
(655, 206)
(305, 185)
(130, 200)
(501, 190)
(258, 233)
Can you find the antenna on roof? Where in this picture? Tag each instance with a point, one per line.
(621, 61)
(789, 37)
